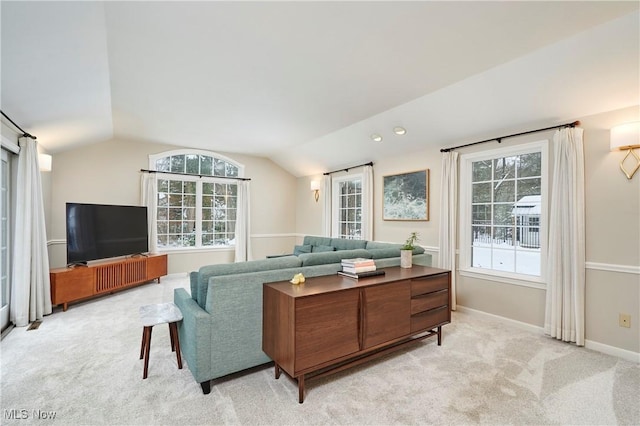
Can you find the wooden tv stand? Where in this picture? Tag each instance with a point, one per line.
(332, 322)
(82, 282)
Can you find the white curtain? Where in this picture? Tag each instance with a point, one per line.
(30, 290)
(149, 198)
(564, 315)
(448, 218)
(327, 197)
(367, 203)
(243, 233)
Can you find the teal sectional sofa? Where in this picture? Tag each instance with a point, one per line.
(221, 330)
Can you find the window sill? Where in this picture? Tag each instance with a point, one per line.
(506, 278)
(186, 250)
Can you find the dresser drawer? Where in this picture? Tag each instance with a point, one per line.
(424, 302)
(429, 284)
(429, 319)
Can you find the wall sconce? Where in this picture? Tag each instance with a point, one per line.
(315, 187)
(623, 137)
(44, 160)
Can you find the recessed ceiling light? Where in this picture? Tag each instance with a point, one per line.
(376, 137)
(399, 130)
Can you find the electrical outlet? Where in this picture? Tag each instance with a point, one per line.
(625, 320)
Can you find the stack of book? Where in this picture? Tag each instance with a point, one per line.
(359, 268)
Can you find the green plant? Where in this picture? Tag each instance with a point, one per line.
(411, 241)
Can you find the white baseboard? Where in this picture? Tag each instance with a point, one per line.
(612, 350)
(589, 344)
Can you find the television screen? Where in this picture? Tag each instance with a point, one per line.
(98, 231)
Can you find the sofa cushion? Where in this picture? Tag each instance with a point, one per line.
(222, 269)
(304, 248)
(383, 253)
(319, 249)
(310, 259)
(371, 245)
(316, 241)
(344, 244)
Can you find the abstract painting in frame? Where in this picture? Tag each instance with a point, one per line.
(406, 196)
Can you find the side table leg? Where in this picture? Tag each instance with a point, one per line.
(301, 388)
(277, 371)
(144, 334)
(175, 342)
(147, 346)
(439, 335)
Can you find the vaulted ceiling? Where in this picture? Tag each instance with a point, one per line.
(307, 83)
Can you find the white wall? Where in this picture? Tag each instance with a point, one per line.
(109, 173)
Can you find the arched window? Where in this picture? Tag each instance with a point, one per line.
(196, 200)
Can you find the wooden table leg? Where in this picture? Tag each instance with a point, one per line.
(175, 342)
(144, 333)
(439, 335)
(172, 338)
(277, 371)
(301, 388)
(147, 346)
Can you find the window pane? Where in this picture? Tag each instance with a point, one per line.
(189, 187)
(480, 235)
(218, 167)
(163, 199)
(481, 192)
(530, 164)
(193, 164)
(505, 191)
(502, 236)
(163, 164)
(175, 186)
(481, 171)
(177, 163)
(206, 165)
(231, 170)
(504, 168)
(163, 185)
(503, 214)
(481, 214)
(529, 187)
(175, 200)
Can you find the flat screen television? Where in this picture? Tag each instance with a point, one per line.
(100, 231)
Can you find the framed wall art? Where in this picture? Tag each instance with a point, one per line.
(406, 196)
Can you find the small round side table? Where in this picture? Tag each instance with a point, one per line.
(160, 313)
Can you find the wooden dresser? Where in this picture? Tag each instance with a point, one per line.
(330, 323)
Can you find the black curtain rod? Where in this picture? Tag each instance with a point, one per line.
(370, 163)
(24, 134)
(189, 174)
(499, 140)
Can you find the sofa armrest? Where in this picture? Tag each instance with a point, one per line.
(194, 332)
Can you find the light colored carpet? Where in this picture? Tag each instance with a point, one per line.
(82, 365)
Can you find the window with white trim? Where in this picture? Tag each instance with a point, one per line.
(196, 205)
(348, 207)
(503, 211)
